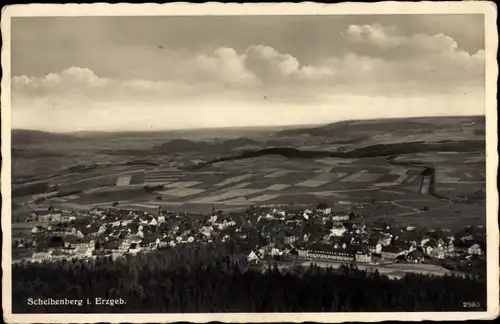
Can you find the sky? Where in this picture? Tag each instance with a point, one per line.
(174, 72)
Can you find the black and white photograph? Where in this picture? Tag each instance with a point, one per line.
(249, 162)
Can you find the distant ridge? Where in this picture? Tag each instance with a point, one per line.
(284, 128)
(385, 125)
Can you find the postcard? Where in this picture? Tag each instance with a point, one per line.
(249, 162)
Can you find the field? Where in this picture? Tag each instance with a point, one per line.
(371, 186)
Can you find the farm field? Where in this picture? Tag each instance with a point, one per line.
(371, 186)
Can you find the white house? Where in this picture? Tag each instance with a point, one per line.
(437, 253)
(377, 248)
(363, 257)
(475, 249)
(101, 230)
(424, 241)
(134, 248)
(340, 217)
(327, 211)
(281, 214)
(386, 240)
(337, 231)
(41, 256)
(206, 230)
(79, 234)
(252, 257)
(37, 229)
(126, 243)
(275, 252)
(87, 245)
(83, 252)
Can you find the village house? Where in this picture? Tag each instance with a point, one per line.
(431, 245)
(97, 212)
(437, 253)
(424, 241)
(385, 240)
(41, 256)
(83, 252)
(126, 244)
(212, 219)
(325, 252)
(337, 230)
(253, 257)
(406, 246)
(101, 230)
(279, 214)
(358, 239)
(134, 248)
(37, 229)
(339, 245)
(448, 245)
(363, 257)
(290, 238)
(276, 252)
(326, 211)
(59, 255)
(415, 256)
(85, 244)
(475, 249)
(358, 228)
(307, 213)
(49, 216)
(224, 224)
(206, 230)
(391, 252)
(374, 246)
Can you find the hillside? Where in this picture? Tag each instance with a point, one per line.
(401, 126)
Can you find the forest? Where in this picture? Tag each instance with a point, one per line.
(202, 278)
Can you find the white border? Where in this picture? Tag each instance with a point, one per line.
(309, 8)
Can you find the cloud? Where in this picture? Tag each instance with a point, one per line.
(424, 62)
(432, 59)
(226, 66)
(376, 34)
(388, 39)
(382, 63)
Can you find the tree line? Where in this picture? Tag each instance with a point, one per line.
(208, 278)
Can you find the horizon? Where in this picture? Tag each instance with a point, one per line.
(279, 127)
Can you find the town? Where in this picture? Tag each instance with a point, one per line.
(281, 235)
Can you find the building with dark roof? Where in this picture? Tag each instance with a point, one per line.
(325, 252)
